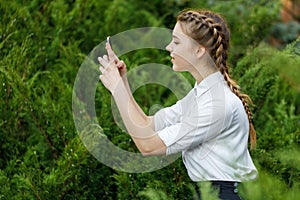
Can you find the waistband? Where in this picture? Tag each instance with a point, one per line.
(226, 189)
(225, 183)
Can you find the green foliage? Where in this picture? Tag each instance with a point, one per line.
(276, 109)
(153, 194)
(263, 67)
(206, 191)
(250, 22)
(286, 33)
(269, 187)
(42, 45)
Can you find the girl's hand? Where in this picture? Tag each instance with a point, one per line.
(112, 56)
(122, 68)
(110, 76)
(112, 69)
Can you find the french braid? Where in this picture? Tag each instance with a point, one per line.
(211, 31)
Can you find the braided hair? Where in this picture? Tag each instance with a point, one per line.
(210, 30)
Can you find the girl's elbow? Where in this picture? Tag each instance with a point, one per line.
(153, 152)
(146, 154)
(145, 151)
(151, 146)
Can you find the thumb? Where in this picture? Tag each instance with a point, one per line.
(120, 64)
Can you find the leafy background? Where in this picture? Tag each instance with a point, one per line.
(43, 44)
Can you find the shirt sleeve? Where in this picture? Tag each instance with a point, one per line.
(168, 116)
(194, 129)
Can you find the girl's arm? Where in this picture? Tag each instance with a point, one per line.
(138, 124)
(122, 67)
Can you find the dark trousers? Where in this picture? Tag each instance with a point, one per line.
(227, 190)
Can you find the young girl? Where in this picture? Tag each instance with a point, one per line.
(211, 124)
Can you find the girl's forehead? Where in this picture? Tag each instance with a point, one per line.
(179, 34)
(177, 29)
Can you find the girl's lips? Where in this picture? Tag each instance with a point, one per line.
(172, 58)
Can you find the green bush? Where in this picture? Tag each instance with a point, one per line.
(42, 45)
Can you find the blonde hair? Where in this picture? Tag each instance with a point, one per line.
(210, 30)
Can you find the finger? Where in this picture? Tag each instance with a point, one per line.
(110, 52)
(102, 61)
(106, 58)
(120, 64)
(102, 69)
(102, 79)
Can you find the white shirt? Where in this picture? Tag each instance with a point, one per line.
(211, 129)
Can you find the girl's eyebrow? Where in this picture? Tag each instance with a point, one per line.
(174, 36)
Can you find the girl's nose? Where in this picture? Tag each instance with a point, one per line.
(168, 47)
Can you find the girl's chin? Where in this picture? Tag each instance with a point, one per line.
(176, 68)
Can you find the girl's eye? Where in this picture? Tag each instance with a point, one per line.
(175, 42)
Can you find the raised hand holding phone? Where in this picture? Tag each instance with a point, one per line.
(110, 76)
(113, 57)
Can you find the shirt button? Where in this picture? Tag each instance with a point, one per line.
(235, 190)
(235, 184)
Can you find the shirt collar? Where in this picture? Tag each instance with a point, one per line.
(208, 82)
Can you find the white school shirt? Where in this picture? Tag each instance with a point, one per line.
(211, 129)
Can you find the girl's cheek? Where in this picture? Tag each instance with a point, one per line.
(176, 50)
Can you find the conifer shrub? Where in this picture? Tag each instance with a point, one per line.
(42, 45)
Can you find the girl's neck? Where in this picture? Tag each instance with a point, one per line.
(202, 72)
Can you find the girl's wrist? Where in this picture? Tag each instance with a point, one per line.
(124, 77)
(119, 89)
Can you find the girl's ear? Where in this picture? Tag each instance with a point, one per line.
(200, 51)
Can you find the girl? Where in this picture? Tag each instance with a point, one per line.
(211, 124)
